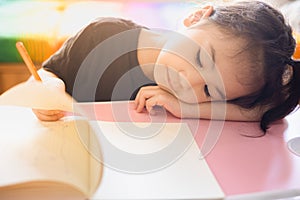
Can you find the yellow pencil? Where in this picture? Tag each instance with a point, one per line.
(24, 54)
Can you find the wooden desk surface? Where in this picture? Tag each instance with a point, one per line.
(12, 74)
(241, 164)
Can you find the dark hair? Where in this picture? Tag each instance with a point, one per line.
(265, 30)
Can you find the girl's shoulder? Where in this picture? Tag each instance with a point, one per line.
(115, 23)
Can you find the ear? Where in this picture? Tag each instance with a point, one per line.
(198, 15)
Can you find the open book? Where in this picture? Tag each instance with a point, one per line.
(78, 158)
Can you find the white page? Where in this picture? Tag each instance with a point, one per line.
(37, 95)
(185, 176)
(31, 150)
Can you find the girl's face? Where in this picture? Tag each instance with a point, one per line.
(200, 65)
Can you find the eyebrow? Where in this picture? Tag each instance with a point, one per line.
(212, 50)
(213, 53)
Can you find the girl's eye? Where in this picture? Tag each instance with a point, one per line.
(206, 91)
(198, 60)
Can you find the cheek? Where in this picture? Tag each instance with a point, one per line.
(160, 74)
(164, 60)
(191, 96)
(187, 82)
(178, 69)
(193, 88)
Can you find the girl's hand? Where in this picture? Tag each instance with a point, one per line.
(151, 96)
(48, 115)
(53, 82)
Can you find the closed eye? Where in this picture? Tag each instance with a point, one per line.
(198, 60)
(206, 91)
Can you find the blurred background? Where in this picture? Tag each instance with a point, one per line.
(43, 25)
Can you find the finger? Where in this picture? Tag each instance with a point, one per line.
(141, 104)
(44, 115)
(50, 117)
(136, 100)
(140, 93)
(47, 112)
(141, 97)
(152, 102)
(144, 94)
(167, 101)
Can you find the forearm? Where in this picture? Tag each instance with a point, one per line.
(151, 96)
(220, 111)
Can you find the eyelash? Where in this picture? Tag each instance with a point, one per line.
(206, 91)
(198, 61)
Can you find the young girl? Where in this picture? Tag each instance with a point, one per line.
(238, 55)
